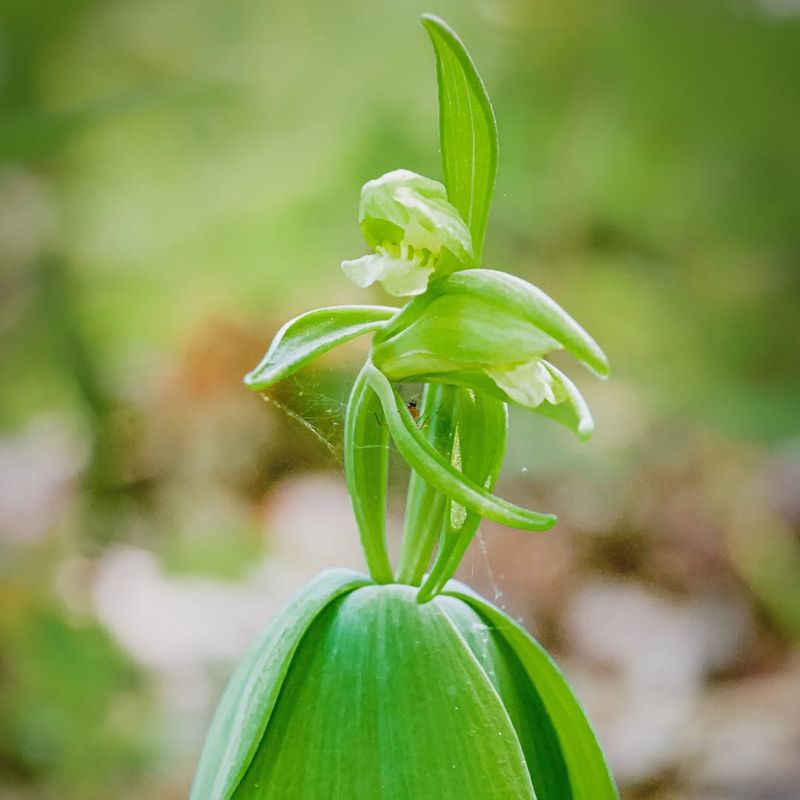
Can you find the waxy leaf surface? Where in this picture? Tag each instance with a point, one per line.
(244, 711)
(385, 701)
(537, 736)
(589, 775)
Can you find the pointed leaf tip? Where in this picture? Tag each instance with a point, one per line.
(467, 130)
(309, 335)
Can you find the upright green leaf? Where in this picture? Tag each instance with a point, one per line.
(308, 336)
(467, 130)
(366, 458)
(589, 775)
(385, 701)
(249, 699)
(529, 716)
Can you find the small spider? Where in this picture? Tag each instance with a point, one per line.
(413, 409)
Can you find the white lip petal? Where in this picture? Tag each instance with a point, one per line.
(400, 277)
(528, 384)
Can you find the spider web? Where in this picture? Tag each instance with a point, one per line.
(316, 400)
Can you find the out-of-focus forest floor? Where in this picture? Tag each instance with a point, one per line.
(179, 178)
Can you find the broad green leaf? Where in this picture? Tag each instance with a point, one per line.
(308, 336)
(440, 473)
(467, 130)
(589, 775)
(481, 432)
(249, 699)
(425, 507)
(385, 700)
(366, 458)
(537, 736)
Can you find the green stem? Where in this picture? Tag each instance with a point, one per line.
(425, 507)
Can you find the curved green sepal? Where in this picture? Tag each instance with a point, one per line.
(467, 130)
(250, 696)
(481, 434)
(478, 320)
(308, 336)
(589, 774)
(441, 474)
(366, 460)
(529, 302)
(385, 700)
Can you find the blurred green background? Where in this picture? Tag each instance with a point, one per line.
(179, 177)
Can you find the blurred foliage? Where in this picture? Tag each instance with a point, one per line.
(177, 178)
(69, 700)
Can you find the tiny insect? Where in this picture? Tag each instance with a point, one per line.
(413, 409)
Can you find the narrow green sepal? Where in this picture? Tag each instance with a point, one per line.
(366, 459)
(426, 507)
(309, 335)
(480, 319)
(441, 474)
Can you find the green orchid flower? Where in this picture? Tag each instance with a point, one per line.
(413, 229)
(490, 331)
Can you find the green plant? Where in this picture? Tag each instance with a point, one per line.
(406, 684)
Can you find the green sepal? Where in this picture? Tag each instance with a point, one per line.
(440, 473)
(366, 459)
(385, 699)
(589, 774)
(252, 692)
(309, 335)
(477, 319)
(467, 130)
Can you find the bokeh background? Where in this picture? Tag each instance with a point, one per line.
(179, 177)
